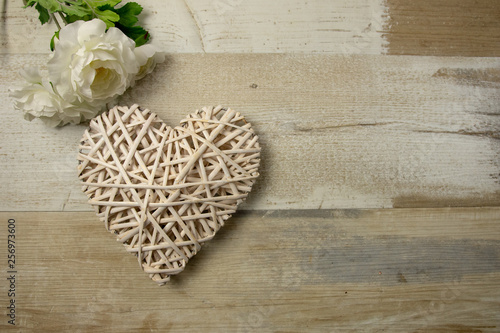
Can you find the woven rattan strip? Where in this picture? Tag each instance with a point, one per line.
(165, 191)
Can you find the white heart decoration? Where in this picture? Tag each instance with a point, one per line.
(165, 191)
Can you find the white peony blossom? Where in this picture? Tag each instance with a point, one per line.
(147, 57)
(37, 99)
(89, 69)
(92, 65)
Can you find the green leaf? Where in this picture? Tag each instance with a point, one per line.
(128, 14)
(128, 18)
(76, 10)
(30, 3)
(107, 15)
(101, 9)
(44, 15)
(137, 34)
(74, 18)
(50, 5)
(100, 3)
(124, 18)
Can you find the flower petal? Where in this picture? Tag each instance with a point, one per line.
(90, 30)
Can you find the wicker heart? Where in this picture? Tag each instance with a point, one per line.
(165, 191)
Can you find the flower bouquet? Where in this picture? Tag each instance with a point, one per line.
(98, 54)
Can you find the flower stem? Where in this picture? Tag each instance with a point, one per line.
(94, 14)
(62, 18)
(55, 20)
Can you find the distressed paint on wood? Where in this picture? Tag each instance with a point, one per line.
(358, 131)
(444, 27)
(261, 26)
(346, 26)
(295, 271)
(336, 132)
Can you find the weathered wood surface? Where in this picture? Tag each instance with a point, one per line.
(442, 27)
(411, 270)
(347, 122)
(336, 132)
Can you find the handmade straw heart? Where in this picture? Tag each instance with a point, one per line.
(165, 191)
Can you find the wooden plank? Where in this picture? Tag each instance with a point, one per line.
(346, 26)
(443, 28)
(418, 270)
(336, 132)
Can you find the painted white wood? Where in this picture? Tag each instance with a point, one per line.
(235, 26)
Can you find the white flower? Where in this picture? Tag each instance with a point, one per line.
(37, 99)
(148, 57)
(91, 65)
(89, 69)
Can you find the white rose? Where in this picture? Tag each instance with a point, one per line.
(90, 65)
(148, 57)
(37, 99)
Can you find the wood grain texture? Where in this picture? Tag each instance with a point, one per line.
(443, 27)
(345, 26)
(412, 270)
(346, 122)
(336, 132)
